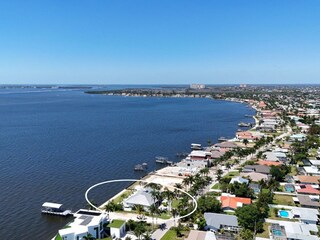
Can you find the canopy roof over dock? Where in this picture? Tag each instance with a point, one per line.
(52, 205)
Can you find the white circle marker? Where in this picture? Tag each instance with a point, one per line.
(195, 204)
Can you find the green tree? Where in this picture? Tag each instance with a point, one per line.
(246, 234)
(139, 230)
(219, 174)
(153, 209)
(208, 203)
(249, 217)
(277, 173)
(201, 223)
(88, 237)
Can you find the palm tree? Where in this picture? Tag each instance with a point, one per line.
(188, 180)
(139, 208)
(147, 236)
(245, 142)
(219, 173)
(228, 165)
(154, 186)
(169, 196)
(139, 230)
(108, 208)
(155, 195)
(204, 171)
(88, 237)
(174, 213)
(153, 209)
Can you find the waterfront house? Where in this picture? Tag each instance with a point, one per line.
(231, 203)
(85, 222)
(199, 155)
(141, 197)
(240, 136)
(117, 228)
(226, 146)
(218, 221)
(215, 154)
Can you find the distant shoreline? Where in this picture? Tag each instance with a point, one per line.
(148, 175)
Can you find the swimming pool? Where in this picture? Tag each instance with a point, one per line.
(283, 214)
(277, 232)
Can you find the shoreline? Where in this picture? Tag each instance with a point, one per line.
(149, 174)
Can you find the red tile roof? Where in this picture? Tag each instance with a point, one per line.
(232, 202)
(269, 163)
(307, 189)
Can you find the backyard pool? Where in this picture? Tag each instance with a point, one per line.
(283, 214)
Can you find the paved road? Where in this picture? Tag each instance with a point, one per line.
(159, 233)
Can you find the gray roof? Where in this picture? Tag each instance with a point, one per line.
(142, 198)
(217, 219)
(258, 168)
(306, 213)
(306, 200)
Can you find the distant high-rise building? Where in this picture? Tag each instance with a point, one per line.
(197, 86)
(243, 85)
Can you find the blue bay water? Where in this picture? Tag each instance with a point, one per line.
(55, 144)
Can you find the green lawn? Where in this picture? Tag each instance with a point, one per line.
(58, 237)
(175, 203)
(283, 200)
(233, 174)
(274, 215)
(116, 223)
(216, 186)
(164, 215)
(293, 171)
(123, 196)
(265, 233)
(170, 235)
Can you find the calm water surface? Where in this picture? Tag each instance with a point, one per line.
(56, 144)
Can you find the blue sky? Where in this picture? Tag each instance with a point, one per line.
(159, 41)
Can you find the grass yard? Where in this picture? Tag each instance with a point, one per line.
(293, 171)
(123, 196)
(216, 186)
(283, 200)
(170, 235)
(273, 214)
(175, 203)
(265, 233)
(165, 216)
(233, 174)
